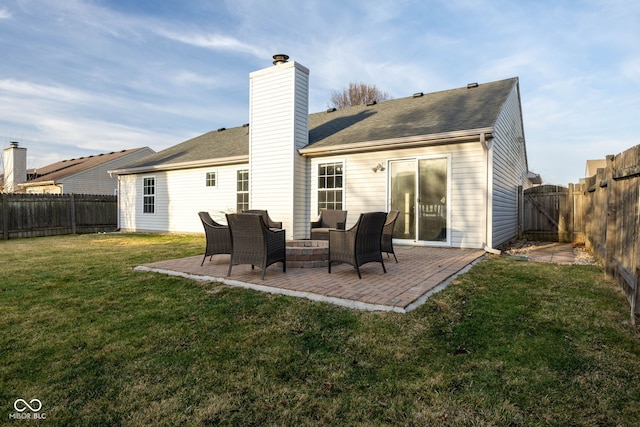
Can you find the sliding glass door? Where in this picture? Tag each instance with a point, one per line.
(419, 189)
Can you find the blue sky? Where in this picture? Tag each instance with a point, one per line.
(82, 77)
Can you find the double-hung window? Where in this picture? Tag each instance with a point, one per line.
(210, 179)
(242, 190)
(149, 195)
(330, 186)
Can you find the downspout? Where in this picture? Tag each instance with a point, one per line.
(488, 228)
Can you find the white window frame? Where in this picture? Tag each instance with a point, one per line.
(146, 197)
(319, 190)
(238, 192)
(207, 179)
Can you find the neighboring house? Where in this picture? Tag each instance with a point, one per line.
(84, 175)
(451, 162)
(592, 167)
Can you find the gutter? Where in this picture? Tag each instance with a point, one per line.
(36, 183)
(182, 165)
(407, 142)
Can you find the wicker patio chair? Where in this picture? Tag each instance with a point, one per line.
(387, 234)
(218, 237)
(360, 244)
(265, 216)
(252, 242)
(327, 220)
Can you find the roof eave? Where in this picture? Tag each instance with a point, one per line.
(471, 135)
(182, 165)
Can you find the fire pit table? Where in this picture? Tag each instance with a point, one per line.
(307, 253)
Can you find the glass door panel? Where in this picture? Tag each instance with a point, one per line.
(432, 200)
(403, 195)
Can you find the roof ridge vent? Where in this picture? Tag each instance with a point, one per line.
(246, 125)
(331, 110)
(472, 85)
(221, 129)
(418, 94)
(370, 103)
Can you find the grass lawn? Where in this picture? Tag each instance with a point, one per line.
(508, 343)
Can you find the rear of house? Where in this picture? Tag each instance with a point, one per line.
(451, 162)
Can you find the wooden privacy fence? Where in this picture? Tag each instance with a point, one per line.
(602, 211)
(35, 215)
(611, 216)
(547, 214)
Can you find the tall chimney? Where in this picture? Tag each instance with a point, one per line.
(15, 167)
(278, 117)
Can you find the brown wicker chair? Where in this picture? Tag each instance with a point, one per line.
(218, 237)
(265, 216)
(327, 220)
(387, 234)
(360, 244)
(252, 242)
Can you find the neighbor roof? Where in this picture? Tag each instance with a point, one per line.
(473, 107)
(66, 168)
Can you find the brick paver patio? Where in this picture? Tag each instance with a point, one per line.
(420, 271)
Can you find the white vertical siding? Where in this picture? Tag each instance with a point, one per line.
(509, 170)
(180, 195)
(278, 128)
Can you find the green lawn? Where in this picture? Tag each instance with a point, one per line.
(508, 343)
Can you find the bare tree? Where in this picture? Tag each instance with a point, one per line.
(357, 94)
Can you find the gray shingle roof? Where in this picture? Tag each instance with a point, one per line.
(433, 113)
(212, 145)
(65, 168)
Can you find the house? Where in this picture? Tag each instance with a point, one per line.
(82, 175)
(452, 162)
(592, 166)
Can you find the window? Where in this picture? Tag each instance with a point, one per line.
(149, 195)
(242, 191)
(330, 186)
(210, 180)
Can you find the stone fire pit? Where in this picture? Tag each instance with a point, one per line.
(307, 253)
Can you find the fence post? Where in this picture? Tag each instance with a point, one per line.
(72, 207)
(5, 217)
(571, 214)
(610, 235)
(635, 300)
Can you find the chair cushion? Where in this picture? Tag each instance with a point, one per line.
(321, 233)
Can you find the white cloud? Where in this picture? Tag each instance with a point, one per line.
(20, 89)
(213, 41)
(4, 13)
